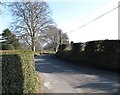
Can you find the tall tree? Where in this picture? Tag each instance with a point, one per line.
(9, 40)
(54, 37)
(31, 18)
(3, 6)
(0, 6)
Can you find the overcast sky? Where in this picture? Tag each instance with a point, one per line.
(71, 14)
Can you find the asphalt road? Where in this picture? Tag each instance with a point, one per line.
(59, 76)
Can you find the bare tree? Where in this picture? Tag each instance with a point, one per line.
(1, 5)
(30, 19)
(54, 37)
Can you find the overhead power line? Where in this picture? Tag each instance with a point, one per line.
(94, 19)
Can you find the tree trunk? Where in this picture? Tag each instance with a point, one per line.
(33, 48)
(33, 43)
(55, 49)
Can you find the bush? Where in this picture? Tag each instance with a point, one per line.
(7, 46)
(62, 47)
(18, 72)
(77, 47)
(90, 46)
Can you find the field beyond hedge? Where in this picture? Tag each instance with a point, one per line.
(18, 72)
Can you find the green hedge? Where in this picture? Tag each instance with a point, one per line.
(18, 72)
(101, 54)
(97, 60)
(76, 47)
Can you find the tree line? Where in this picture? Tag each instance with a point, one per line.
(49, 40)
(33, 26)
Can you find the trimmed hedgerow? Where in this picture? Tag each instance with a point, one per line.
(77, 47)
(18, 72)
(101, 54)
(62, 47)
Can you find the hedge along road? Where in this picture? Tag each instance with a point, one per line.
(59, 76)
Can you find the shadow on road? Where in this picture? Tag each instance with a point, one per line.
(108, 81)
(52, 64)
(99, 86)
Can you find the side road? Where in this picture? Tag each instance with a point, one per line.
(62, 77)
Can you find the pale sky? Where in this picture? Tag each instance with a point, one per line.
(71, 14)
(104, 28)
